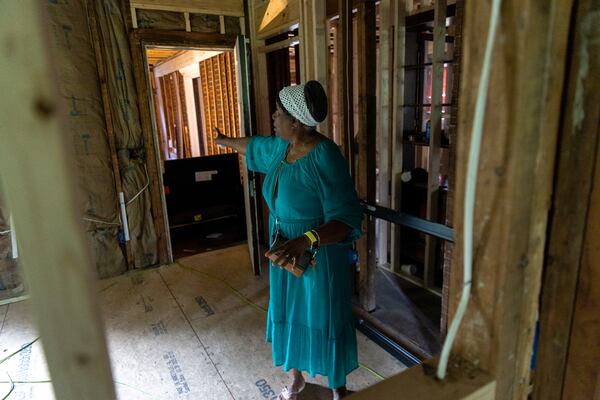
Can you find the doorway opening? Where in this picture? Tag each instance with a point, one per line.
(194, 91)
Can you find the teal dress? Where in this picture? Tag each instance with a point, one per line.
(309, 323)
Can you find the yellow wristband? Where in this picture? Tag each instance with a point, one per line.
(312, 237)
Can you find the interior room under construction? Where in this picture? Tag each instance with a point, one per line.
(146, 145)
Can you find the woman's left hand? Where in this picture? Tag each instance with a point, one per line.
(289, 251)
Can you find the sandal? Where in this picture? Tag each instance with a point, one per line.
(286, 394)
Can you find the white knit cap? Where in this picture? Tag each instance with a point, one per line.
(294, 102)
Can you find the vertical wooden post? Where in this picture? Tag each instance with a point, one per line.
(569, 250)
(152, 157)
(304, 35)
(582, 379)
(514, 182)
(384, 105)
(345, 74)
(314, 47)
(222, 24)
(397, 108)
(40, 189)
(367, 146)
(435, 139)
(110, 130)
(188, 25)
(259, 78)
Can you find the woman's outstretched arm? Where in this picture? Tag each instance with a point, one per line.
(238, 144)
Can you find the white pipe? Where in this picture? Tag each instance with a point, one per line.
(124, 216)
(13, 238)
(471, 181)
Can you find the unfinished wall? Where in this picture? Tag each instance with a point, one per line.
(80, 90)
(77, 78)
(116, 54)
(80, 87)
(77, 75)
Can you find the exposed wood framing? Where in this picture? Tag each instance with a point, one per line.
(110, 130)
(427, 5)
(306, 37)
(222, 24)
(179, 114)
(180, 61)
(365, 175)
(37, 175)
(314, 48)
(215, 41)
(139, 39)
(514, 182)
(219, 99)
(188, 25)
(271, 17)
(134, 21)
(344, 84)
(243, 26)
(452, 128)
(160, 116)
(284, 44)
(259, 75)
(582, 378)
(384, 104)
(233, 8)
(569, 277)
(435, 140)
(397, 109)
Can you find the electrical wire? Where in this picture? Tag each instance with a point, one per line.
(100, 221)
(471, 181)
(5, 232)
(142, 189)
(258, 307)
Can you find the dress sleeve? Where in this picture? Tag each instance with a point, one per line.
(337, 192)
(261, 151)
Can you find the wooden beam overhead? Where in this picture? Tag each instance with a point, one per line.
(272, 17)
(183, 60)
(37, 167)
(291, 42)
(233, 8)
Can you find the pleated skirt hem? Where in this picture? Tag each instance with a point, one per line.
(313, 351)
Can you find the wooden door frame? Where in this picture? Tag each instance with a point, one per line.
(140, 39)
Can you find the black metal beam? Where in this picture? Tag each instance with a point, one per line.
(399, 352)
(410, 221)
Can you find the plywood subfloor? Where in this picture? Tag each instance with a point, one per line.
(181, 331)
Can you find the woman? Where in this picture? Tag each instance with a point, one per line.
(311, 200)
